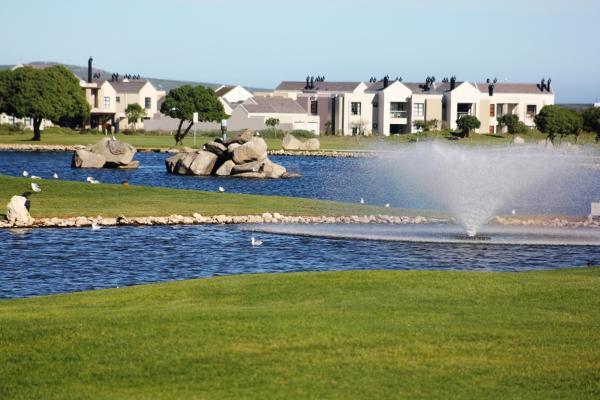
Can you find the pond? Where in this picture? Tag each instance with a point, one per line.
(46, 261)
(342, 179)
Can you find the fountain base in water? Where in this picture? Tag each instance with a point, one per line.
(475, 238)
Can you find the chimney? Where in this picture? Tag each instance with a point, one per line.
(491, 85)
(548, 84)
(386, 81)
(452, 82)
(90, 69)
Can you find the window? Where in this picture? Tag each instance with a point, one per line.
(355, 130)
(118, 99)
(397, 110)
(419, 109)
(375, 104)
(106, 102)
(499, 110)
(491, 129)
(355, 108)
(375, 126)
(314, 107)
(531, 110)
(147, 103)
(492, 111)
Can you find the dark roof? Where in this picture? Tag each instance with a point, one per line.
(128, 87)
(224, 90)
(532, 88)
(281, 105)
(319, 86)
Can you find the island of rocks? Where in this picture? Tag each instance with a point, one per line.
(107, 153)
(243, 156)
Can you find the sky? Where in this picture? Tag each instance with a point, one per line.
(259, 43)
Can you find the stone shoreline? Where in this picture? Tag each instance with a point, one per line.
(29, 147)
(276, 218)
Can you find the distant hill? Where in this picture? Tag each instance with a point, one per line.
(161, 84)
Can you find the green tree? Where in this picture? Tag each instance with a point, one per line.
(4, 82)
(467, 123)
(558, 121)
(182, 102)
(425, 125)
(512, 123)
(52, 93)
(272, 122)
(134, 113)
(591, 121)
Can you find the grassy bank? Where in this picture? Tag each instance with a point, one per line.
(341, 335)
(71, 199)
(68, 137)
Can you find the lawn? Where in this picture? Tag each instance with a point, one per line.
(335, 335)
(332, 143)
(71, 199)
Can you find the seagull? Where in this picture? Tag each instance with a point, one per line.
(387, 205)
(513, 212)
(25, 174)
(95, 226)
(221, 189)
(89, 179)
(55, 176)
(35, 187)
(362, 201)
(94, 182)
(35, 177)
(255, 242)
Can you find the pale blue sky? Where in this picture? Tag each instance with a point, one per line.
(262, 42)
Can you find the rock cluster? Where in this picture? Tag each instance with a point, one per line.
(107, 153)
(291, 143)
(16, 211)
(243, 156)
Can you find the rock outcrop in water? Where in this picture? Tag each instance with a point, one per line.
(242, 156)
(291, 143)
(107, 153)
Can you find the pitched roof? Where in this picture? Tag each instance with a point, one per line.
(128, 87)
(319, 86)
(530, 88)
(281, 105)
(223, 90)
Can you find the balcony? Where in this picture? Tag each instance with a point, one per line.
(398, 114)
(459, 115)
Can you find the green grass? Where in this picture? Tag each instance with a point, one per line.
(71, 199)
(339, 335)
(66, 137)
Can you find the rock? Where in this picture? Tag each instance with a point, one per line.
(184, 165)
(216, 148)
(518, 140)
(86, 159)
(311, 144)
(172, 162)
(290, 142)
(253, 166)
(251, 175)
(114, 151)
(241, 137)
(132, 165)
(273, 170)
(16, 211)
(254, 150)
(232, 147)
(290, 175)
(203, 163)
(225, 168)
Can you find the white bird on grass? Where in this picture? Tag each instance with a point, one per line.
(255, 242)
(387, 205)
(362, 201)
(221, 189)
(513, 212)
(91, 180)
(35, 177)
(35, 187)
(55, 176)
(95, 226)
(25, 174)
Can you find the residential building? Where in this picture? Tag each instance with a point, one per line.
(231, 96)
(392, 107)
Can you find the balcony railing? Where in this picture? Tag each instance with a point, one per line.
(459, 115)
(398, 114)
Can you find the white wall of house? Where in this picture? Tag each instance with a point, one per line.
(465, 93)
(241, 119)
(237, 95)
(396, 92)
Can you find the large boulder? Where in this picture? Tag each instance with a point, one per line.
(195, 163)
(252, 166)
(291, 143)
(254, 150)
(273, 170)
(132, 165)
(114, 151)
(216, 148)
(225, 168)
(16, 211)
(87, 159)
(240, 137)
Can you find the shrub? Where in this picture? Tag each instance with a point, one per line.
(467, 123)
(512, 123)
(554, 120)
(426, 125)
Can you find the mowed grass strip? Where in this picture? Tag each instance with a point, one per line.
(71, 199)
(338, 335)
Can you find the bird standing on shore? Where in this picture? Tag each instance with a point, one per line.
(25, 174)
(387, 205)
(95, 226)
(91, 180)
(35, 177)
(362, 201)
(35, 187)
(55, 176)
(221, 189)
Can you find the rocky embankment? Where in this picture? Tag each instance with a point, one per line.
(197, 219)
